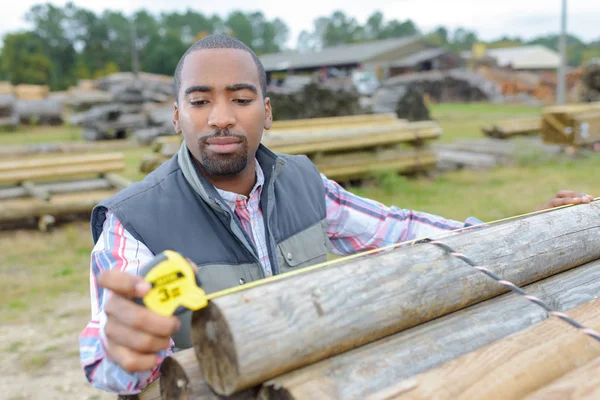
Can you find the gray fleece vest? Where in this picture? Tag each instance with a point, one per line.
(175, 208)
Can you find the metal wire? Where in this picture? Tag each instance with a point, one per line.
(535, 300)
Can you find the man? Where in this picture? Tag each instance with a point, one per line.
(234, 208)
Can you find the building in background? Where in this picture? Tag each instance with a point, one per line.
(365, 63)
(534, 58)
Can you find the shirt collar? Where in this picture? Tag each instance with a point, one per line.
(232, 198)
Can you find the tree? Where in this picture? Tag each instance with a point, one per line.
(341, 29)
(375, 27)
(49, 22)
(23, 59)
(240, 27)
(397, 29)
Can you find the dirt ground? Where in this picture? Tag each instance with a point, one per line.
(41, 360)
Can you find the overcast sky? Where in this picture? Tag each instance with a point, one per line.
(491, 19)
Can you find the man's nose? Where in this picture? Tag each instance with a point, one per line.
(221, 116)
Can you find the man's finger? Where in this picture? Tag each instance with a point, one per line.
(124, 284)
(568, 194)
(130, 360)
(141, 342)
(140, 318)
(557, 202)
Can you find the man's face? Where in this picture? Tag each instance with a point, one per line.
(221, 111)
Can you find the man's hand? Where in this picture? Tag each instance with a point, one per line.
(565, 197)
(135, 334)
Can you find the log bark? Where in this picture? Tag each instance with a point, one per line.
(36, 191)
(181, 379)
(248, 337)
(580, 384)
(377, 367)
(118, 181)
(52, 188)
(516, 366)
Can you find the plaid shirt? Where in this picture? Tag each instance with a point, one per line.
(355, 224)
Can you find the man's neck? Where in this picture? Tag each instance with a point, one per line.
(241, 183)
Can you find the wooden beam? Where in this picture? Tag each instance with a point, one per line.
(304, 122)
(330, 310)
(53, 188)
(580, 384)
(60, 172)
(377, 367)
(516, 366)
(18, 151)
(181, 379)
(58, 161)
(36, 191)
(118, 181)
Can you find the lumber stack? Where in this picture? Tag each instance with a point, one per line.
(48, 111)
(410, 323)
(44, 188)
(513, 127)
(572, 125)
(8, 112)
(343, 150)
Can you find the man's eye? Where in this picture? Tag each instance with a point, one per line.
(198, 102)
(243, 101)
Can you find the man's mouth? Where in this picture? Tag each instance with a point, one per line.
(223, 145)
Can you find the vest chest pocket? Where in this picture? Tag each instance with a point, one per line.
(303, 249)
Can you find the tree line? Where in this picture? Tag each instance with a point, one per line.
(70, 43)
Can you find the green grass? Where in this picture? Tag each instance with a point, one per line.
(461, 121)
(41, 134)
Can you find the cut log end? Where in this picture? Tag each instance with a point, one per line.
(270, 392)
(215, 350)
(174, 382)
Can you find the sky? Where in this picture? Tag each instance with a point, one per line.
(490, 19)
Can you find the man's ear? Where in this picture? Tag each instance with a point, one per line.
(176, 118)
(268, 114)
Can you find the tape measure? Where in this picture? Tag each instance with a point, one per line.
(175, 285)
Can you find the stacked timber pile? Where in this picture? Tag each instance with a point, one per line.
(416, 322)
(343, 148)
(47, 111)
(8, 112)
(590, 79)
(514, 127)
(44, 188)
(576, 125)
(120, 105)
(303, 97)
(486, 153)
(407, 101)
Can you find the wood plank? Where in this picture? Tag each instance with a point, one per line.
(36, 191)
(377, 367)
(69, 203)
(61, 172)
(355, 302)
(118, 181)
(181, 379)
(51, 162)
(41, 149)
(516, 366)
(62, 187)
(304, 122)
(580, 384)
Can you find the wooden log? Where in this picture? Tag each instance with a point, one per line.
(374, 367)
(516, 366)
(580, 384)
(50, 162)
(61, 172)
(11, 210)
(118, 181)
(150, 392)
(514, 127)
(36, 191)
(181, 379)
(467, 159)
(17, 151)
(63, 187)
(334, 309)
(353, 119)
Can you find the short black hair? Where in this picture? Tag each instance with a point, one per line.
(221, 42)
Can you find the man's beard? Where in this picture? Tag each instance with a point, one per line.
(224, 164)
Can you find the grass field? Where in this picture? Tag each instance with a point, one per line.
(44, 278)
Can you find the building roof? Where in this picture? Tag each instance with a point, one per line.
(338, 55)
(523, 57)
(419, 57)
